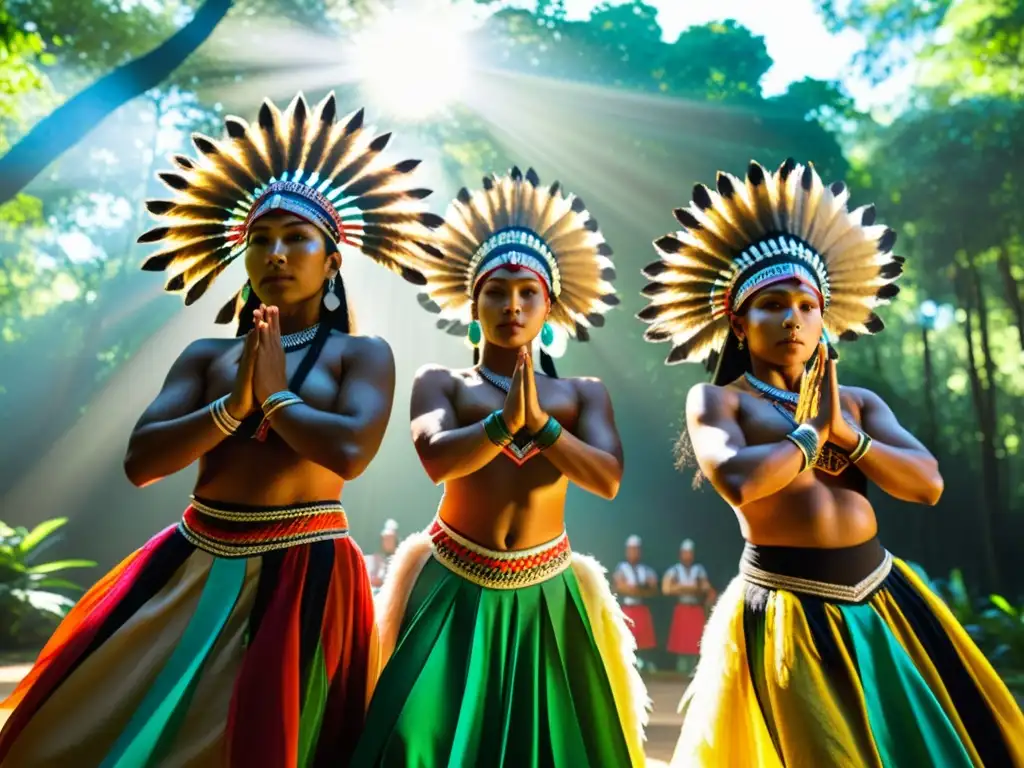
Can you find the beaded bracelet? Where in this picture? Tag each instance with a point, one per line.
(272, 404)
(805, 437)
(863, 445)
(497, 430)
(225, 422)
(548, 434)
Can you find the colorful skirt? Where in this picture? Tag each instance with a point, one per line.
(641, 624)
(243, 636)
(499, 659)
(687, 628)
(842, 658)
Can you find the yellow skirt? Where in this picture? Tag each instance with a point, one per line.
(792, 679)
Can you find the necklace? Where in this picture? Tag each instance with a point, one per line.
(299, 339)
(830, 460)
(773, 393)
(504, 383)
(522, 448)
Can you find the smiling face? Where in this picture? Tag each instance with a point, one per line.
(781, 324)
(287, 259)
(512, 307)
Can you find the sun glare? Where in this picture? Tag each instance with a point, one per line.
(413, 61)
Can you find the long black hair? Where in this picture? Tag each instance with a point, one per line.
(339, 320)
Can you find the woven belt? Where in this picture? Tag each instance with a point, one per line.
(244, 532)
(498, 570)
(835, 592)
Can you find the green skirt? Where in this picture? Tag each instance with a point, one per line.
(496, 677)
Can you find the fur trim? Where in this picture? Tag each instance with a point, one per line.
(617, 647)
(406, 564)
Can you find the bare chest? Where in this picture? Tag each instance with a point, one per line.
(762, 422)
(476, 399)
(319, 389)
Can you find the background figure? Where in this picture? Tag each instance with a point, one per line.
(378, 562)
(688, 581)
(633, 582)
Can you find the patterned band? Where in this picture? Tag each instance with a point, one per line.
(856, 593)
(302, 200)
(487, 568)
(515, 247)
(249, 531)
(772, 260)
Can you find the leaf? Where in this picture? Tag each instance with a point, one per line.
(1003, 604)
(60, 565)
(51, 583)
(49, 602)
(40, 532)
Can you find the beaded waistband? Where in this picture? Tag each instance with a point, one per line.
(853, 573)
(244, 531)
(492, 569)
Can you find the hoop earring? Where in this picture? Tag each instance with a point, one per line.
(331, 300)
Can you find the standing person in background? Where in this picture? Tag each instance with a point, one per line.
(378, 562)
(634, 582)
(687, 581)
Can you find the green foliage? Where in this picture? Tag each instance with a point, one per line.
(994, 623)
(33, 595)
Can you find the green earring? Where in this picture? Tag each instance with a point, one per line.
(245, 292)
(474, 333)
(547, 335)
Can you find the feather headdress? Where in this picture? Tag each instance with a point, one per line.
(514, 222)
(306, 163)
(776, 226)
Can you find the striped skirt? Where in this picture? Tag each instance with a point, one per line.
(243, 636)
(517, 659)
(842, 658)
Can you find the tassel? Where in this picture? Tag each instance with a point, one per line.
(810, 388)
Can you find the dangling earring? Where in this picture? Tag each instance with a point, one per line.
(474, 333)
(331, 300)
(547, 335)
(740, 345)
(246, 290)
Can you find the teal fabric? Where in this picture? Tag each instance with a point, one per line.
(158, 716)
(907, 722)
(495, 678)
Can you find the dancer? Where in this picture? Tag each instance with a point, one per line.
(245, 634)
(509, 649)
(634, 583)
(687, 582)
(825, 650)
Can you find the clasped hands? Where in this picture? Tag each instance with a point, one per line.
(522, 407)
(830, 423)
(261, 367)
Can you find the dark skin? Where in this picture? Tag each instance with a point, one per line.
(670, 585)
(487, 497)
(739, 438)
(313, 447)
(623, 587)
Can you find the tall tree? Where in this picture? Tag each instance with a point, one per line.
(69, 123)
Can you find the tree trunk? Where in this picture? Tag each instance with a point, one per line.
(73, 120)
(1012, 292)
(989, 473)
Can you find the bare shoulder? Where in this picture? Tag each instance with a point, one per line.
(432, 377)
(711, 402)
(201, 352)
(589, 388)
(861, 396)
(366, 349)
